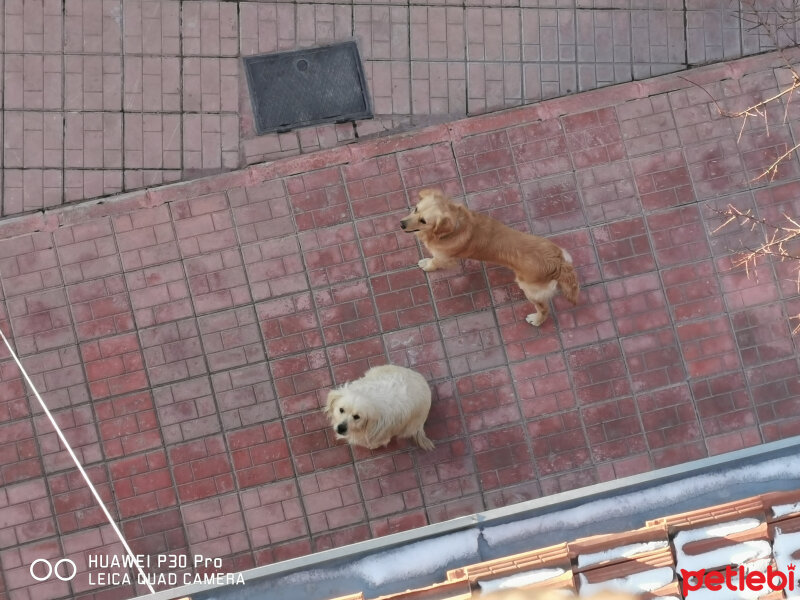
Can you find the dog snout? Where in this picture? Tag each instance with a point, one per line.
(403, 224)
(341, 428)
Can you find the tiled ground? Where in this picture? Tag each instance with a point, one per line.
(101, 96)
(186, 336)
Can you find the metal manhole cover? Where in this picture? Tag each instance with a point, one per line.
(307, 87)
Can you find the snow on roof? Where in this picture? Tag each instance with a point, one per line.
(624, 504)
(636, 583)
(519, 579)
(593, 558)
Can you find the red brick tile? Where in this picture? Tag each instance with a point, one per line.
(559, 443)
(261, 212)
(599, 373)
(593, 138)
(201, 468)
(760, 149)
(203, 224)
(733, 441)
(653, 359)
(569, 481)
(331, 255)
(42, 321)
(587, 323)
(300, 380)
(87, 251)
(692, 291)
(663, 180)
(77, 425)
(273, 514)
(29, 263)
(313, 444)
(554, 204)
(279, 552)
(397, 523)
(486, 162)
(159, 294)
(678, 236)
(521, 341)
(19, 455)
(429, 166)
(624, 248)
(289, 324)
(389, 485)
(100, 307)
(776, 391)
(403, 299)
(675, 455)
(231, 339)
(460, 507)
(216, 527)
(344, 536)
(716, 167)
(331, 499)
(608, 192)
(461, 291)
(447, 475)
(245, 395)
(142, 483)
(318, 199)
(186, 410)
(502, 457)
(75, 507)
(351, 360)
(57, 375)
(146, 238)
(114, 365)
(260, 454)
(638, 304)
(472, 343)
(375, 186)
(543, 385)
(708, 347)
(540, 149)
(173, 351)
(742, 290)
(723, 404)
(614, 429)
(128, 425)
(445, 419)
(762, 335)
(274, 268)
(27, 513)
(384, 245)
(488, 399)
(419, 348)
(217, 280)
(346, 312)
(647, 125)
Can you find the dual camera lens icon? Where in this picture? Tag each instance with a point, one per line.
(64, 573)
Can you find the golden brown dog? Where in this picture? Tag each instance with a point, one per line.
(451, 231)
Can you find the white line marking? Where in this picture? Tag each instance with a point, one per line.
(78, 464)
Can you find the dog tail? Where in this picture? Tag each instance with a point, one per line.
(423, 441)
(568, 279)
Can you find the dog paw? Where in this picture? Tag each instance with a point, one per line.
(427, 264)
(534, 319)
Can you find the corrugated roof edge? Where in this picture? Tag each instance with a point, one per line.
(506, 514)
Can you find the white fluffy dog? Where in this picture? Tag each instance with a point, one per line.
(387, 402)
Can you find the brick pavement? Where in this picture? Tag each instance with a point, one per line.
(186, 336)
(103, 96)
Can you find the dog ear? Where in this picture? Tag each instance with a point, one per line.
(436, 194)
(333, 396)
(444, 224)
